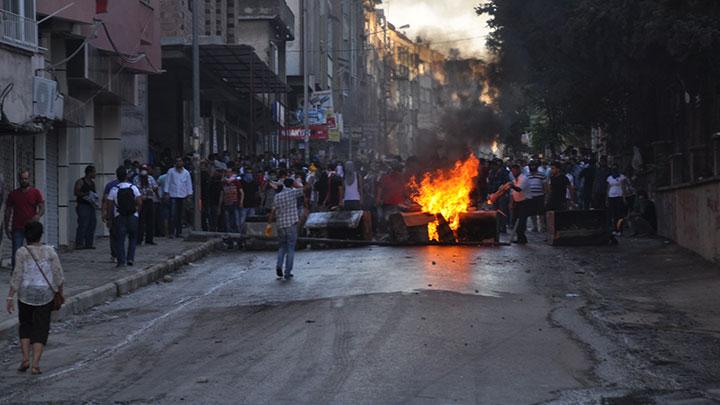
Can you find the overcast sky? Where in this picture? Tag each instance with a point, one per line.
(441, 21)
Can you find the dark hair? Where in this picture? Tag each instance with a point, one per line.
(121, 173)
(515, 166)
(288, 183)
(33, 232)
(89, 169)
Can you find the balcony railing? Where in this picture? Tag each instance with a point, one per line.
(18, 31)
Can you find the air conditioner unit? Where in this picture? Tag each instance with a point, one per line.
(44, 96)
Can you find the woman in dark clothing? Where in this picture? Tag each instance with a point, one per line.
(322, 185)
(335, 184)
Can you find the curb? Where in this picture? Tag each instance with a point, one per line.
(107, 292)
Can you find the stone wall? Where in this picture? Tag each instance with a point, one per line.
(690, 215)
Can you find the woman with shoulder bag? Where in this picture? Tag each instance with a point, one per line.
(38, 279)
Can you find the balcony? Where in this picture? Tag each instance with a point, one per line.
(18, 31)
(275, 10)
(97, 71)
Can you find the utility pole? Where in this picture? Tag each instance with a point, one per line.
(197, 133)
(386, 86)
(306, 92)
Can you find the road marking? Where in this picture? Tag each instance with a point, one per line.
(180, 305)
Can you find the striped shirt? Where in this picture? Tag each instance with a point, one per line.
(536, 185)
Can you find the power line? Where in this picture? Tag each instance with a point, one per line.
(123, 66)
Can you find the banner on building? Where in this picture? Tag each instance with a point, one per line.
(321, 111)
(317, 133)
(335, 132)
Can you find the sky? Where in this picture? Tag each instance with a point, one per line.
(442, 21)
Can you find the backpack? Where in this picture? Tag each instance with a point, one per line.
(126, 201)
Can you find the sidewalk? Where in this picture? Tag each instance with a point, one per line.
(91, 278)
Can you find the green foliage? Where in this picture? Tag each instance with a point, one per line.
(608, 63)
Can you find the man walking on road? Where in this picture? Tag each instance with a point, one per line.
(26, 204)
(126, 199)
(285, 215)
(178, 186)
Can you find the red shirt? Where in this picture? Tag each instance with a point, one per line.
(392, 187)
(230, 192)
(24, 205)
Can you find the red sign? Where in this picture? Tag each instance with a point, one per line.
(331, 122)
(101, 6)
(317, 132)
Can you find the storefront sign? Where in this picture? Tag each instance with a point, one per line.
(317, 132)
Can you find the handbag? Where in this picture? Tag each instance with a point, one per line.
(58, 298)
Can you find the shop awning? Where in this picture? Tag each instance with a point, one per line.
(235, 66)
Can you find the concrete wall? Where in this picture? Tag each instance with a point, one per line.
(81, 11)
(134, 125)
(690, 215)
(15, 68)
(134, 27)
(257, 34)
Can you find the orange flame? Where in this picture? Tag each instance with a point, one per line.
(446, 192)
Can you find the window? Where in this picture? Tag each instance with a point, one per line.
(23, 8)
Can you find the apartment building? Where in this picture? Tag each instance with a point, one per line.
(74, 74)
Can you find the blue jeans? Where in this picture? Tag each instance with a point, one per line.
(287, 238)
(244, 214)
(18, 240)
(176, 215)
(87, 221)
(232, 218)
(125, 227)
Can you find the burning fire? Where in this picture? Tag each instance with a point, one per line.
(446, 192)
(495, 148)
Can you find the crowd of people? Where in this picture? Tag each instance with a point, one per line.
(144, 202)
(233, 191)
(536, 187)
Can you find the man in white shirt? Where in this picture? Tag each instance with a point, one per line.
(178, 186)
(125, 200)
(520, 202)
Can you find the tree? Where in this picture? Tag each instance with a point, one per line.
(622, 65)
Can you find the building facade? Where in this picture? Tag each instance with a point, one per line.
(76, 75)
(243, 78)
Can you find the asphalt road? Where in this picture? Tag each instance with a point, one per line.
(370, 325)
